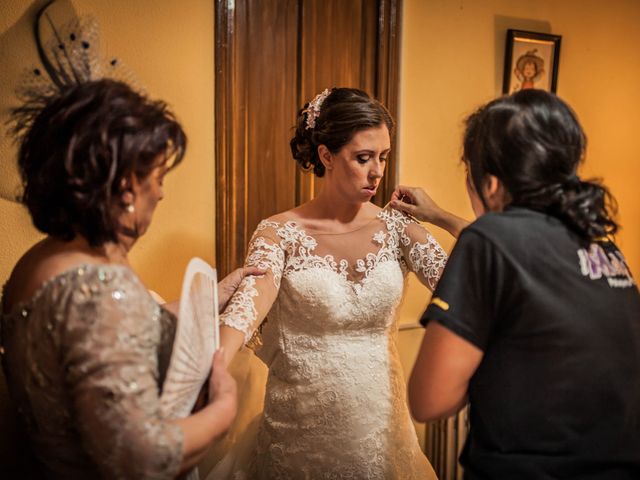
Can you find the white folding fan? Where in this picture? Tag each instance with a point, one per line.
(197, 338)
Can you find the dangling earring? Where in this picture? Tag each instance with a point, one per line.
(128, 199)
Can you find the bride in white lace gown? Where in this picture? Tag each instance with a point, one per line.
(325, 310)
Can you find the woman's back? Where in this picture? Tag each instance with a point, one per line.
(557, 319)
(42, 262)
(83, 366)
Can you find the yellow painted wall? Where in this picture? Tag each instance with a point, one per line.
(452, 62)
(169, 46)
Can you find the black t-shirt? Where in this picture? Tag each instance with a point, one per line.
(557, 393)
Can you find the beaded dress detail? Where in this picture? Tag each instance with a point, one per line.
(335, 402)
(84, 361)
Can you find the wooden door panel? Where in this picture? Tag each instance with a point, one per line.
(270, 109)
(345, 59)
(271, 57)
(256, 79)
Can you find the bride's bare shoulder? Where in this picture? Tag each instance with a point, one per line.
(295, 214)
(373, 209)
(279, 218)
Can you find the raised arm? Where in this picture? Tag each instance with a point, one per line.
(464, 312)
(417, 203)
(253, 299)
(226, 288)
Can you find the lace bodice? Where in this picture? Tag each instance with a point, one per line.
(335, 401)
(285, 248)
(84, 361)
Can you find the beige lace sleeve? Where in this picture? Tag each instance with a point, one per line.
(423, 254)
(252, 301)
(109, 348)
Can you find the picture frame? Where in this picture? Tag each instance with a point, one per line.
(531, 60)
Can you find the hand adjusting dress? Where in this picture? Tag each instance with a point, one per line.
(84, 360)
(335, 398)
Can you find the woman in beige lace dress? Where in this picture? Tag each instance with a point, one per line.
(84, 346)
(335, 397)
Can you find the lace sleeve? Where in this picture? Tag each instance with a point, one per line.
(423, 254)
(110, 359)
(253, 299)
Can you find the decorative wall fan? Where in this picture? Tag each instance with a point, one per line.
(197, 338)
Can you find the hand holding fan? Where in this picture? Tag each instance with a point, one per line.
(197, 338)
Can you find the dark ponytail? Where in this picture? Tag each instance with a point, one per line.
(533, 143)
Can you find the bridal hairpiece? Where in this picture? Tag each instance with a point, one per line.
(313, 108)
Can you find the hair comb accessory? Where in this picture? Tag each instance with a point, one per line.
(313, 108)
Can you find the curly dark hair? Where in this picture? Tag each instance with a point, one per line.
(532, 141)
(74, 154)
(343, 113)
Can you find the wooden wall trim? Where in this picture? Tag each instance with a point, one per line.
(387, 88)
(230, 181)
(222, 181)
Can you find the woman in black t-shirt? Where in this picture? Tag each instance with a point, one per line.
(536, 319)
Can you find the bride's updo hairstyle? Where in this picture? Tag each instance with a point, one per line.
(332, 119)
(533, 143)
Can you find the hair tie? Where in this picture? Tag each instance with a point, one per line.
(573, 181)
(313, 108)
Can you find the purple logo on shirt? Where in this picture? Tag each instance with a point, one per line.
(596, 263)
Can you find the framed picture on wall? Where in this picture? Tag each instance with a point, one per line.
(531, 61)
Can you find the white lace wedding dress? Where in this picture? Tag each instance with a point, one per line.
(335, 402)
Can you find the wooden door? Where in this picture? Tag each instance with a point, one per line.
(272, 56)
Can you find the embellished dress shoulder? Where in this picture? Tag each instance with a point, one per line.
(84, 361)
